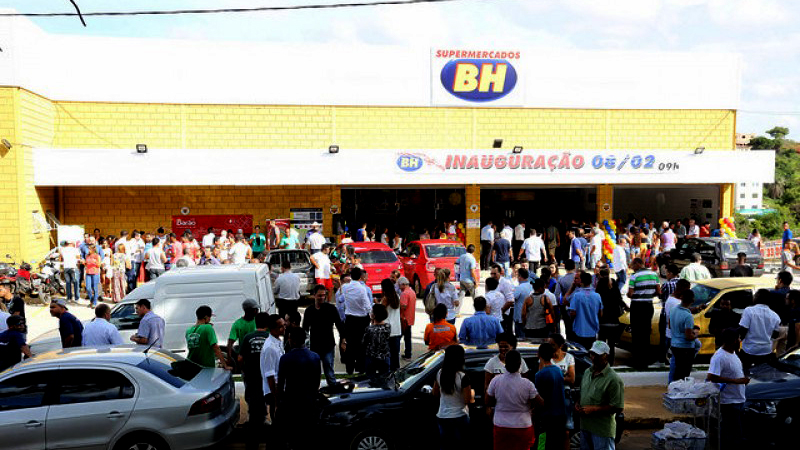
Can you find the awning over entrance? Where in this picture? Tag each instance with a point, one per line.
(385, 167)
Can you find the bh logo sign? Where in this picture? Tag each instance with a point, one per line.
(479, 80)
(409, 163)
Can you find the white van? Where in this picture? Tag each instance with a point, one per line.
(176, 295)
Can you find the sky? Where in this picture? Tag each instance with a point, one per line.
(764, 32)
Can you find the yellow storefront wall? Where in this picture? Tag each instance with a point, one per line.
(30, 120)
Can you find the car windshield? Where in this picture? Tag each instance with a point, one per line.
(733, 248)
(445, 251)
(408, 375)
(703, 294)
(792, 358)
(377, 257)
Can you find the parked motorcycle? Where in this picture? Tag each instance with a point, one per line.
(49, 275)
(30, 286)
(8, 273)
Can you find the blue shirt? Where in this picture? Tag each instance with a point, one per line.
(480, 330)
(521, 292)
(84, 249)
(299, 372)
(574, 246)
(787, 236)
(587, 304)
(466, 264)
(550, 383)
(501, 249)
(680, 319)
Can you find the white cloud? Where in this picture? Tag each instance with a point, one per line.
(748, 12)
(621, 10)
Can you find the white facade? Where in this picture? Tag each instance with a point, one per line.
(749, 195)
(113, 69)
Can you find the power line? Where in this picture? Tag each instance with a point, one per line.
(771, 113)
(222, 10)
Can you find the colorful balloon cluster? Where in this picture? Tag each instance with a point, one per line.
(727, 227)
(609, 243)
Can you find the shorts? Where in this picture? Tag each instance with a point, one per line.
(327, 282)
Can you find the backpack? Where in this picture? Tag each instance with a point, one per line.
(430, 300)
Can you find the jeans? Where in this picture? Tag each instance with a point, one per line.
(407, 342)
(622, 278)
(285, 306)
(155, 273)
(394, 352)
(506, 269)
(682, 358)
(92, 287)
(73, 284)
(327, 365)
(354, 327)
(133, 275)
(641, 327)
(519, 330)
(375, 367)
(591, 441)
(586, 342)
(453, 433)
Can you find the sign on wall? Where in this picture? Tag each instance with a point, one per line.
(461, 77)
(199, 225)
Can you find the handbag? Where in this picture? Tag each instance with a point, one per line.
(430, 301)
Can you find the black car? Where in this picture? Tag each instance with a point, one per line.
(300, 261)
(400, 412)
(772, 409)
(719, 255)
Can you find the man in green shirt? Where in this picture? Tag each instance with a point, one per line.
(258, 242)
(243, 326)
(602, 397)
(695, 271)
(201, 340)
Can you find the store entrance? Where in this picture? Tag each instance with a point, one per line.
(400, 209)
(540, 206)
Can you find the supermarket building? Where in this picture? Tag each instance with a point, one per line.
(247, 128)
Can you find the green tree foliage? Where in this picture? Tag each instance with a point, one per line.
(784, 194)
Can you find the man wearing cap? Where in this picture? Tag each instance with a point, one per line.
(12, 343)
(69, 326)
(602, 398)
(315, 239)
(201, 340)
(243, 326)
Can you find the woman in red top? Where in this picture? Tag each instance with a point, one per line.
(93, 263)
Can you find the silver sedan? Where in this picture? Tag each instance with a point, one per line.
(120, 398)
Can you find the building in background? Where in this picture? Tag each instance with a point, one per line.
(743, 141)
(393, 136)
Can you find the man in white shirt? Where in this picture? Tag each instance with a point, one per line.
(186, 260)
(597, 246)
(287, 289)
(156, 258)
(494, 299)
(316, 240)
(759, 326)
(71, 256)
(505, 287)
(487, 239)
(99, 332)
(726, 368)
(519, 236)
(694, 230)
(271, 354)
(208, 238)
(322, 269)
(123, 239)
(620, 264)
(240, 251)
(357, 307)
(507, 233)
(534, 251)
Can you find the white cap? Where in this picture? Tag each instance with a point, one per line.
(314, 225)
(600, 348)
(403, 280)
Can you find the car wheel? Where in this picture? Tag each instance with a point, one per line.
(141, 441)
(575, 440)
(371, 440)
(417, 287)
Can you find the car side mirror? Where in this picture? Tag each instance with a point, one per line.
(427, 389)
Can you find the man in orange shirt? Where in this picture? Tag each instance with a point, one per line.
(440, 333)
(408, 310)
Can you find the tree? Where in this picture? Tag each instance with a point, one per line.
(778, 133)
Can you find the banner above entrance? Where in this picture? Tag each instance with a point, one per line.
(386, 167)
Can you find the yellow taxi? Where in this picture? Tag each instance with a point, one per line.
(707, 293)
